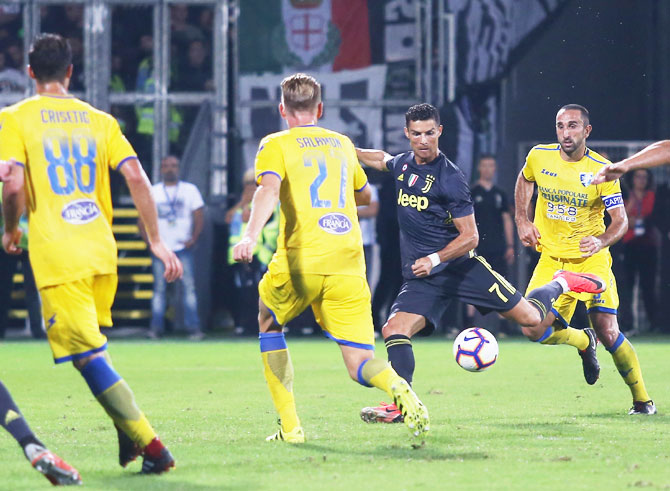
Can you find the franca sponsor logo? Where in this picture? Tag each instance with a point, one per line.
(80, 211)
(335, 223)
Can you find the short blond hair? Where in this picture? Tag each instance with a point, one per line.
(300, 92)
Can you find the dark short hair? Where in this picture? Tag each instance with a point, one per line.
(486, 156)
(576, 107)
(49, 57)
(422, 112)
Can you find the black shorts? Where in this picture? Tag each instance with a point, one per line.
(471, 281)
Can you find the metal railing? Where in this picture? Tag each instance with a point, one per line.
(97, 50)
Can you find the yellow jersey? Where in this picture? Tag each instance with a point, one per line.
(568, 208)
(66, 147)
(318, 225)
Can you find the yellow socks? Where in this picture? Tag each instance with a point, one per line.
(377, 373)
(628, 365)
(568, 335)
(115, 396)
(278, 371)
(119, 403)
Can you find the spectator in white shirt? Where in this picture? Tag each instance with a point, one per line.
(180, 220)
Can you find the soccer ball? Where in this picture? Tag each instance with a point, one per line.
(475, 349)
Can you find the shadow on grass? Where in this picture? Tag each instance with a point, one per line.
(431, 451)
(641, 418)
(147, 482)
(576, 427)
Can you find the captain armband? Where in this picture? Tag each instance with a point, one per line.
(613, 201)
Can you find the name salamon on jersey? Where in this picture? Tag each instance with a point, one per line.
(318, 141)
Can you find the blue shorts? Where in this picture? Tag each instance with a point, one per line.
(471, 281)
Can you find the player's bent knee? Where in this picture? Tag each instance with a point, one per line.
(525, 315)
(393, 326)
(529, 318)
(80, 363)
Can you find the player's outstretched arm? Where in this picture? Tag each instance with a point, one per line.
(13, 203)
(467, 239)
(262, 206)
(373, 158)
(654, 155)
(140, 190)
(523, 192)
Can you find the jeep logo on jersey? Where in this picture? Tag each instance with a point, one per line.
(413, 201)
(80, 211)
(335, 223)
(585, 178)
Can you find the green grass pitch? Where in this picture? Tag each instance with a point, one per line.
(530, 422)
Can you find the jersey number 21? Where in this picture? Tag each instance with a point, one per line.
(318, 157)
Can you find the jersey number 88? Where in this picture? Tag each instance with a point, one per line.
(62, 174)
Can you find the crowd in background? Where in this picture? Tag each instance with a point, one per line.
(191, 65)
(637, 258)
(12, 75)
(191, 69)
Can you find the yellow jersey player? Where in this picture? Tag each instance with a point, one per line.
(569, 231)
(316, 177)
(62, 149)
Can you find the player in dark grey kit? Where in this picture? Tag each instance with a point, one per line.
(438, 235)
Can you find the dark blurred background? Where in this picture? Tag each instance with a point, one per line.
(200, 79)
